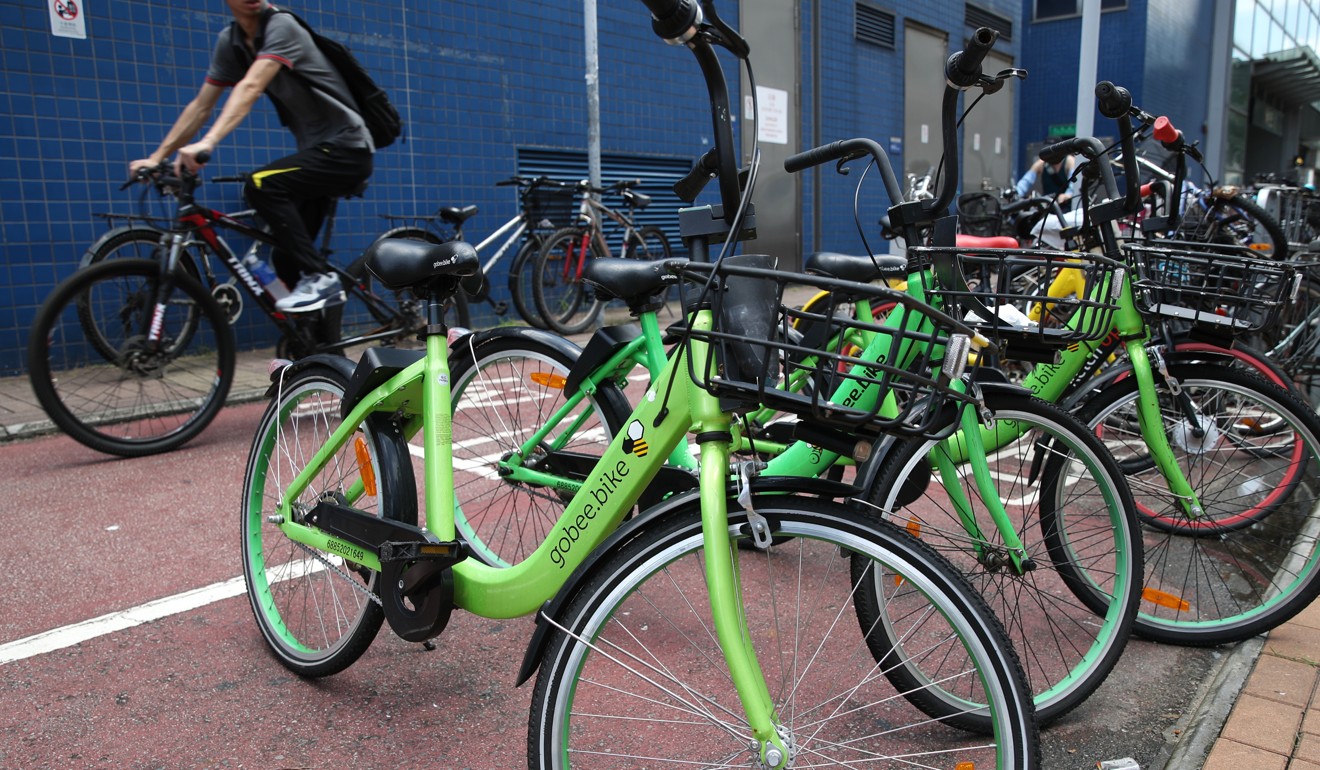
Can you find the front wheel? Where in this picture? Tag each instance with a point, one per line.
(521, 282)
(123, 394)
(1250, 558)
(1071, 615)
(632, 676)
(318, 611)
(565, 302)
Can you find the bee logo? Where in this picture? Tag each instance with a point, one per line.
(635, 444)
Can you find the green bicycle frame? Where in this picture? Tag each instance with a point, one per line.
(674, 404)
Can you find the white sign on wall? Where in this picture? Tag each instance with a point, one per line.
(67, 18)
(773, 125)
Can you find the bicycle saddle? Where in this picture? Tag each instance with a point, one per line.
(455, 215)
(401, 263)
(627, 279)
(856, 267)
(637, 200)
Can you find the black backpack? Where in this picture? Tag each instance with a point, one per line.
(373, 104)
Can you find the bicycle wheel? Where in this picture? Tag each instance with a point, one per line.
(1248, 562)
(1071, 616)
(317, 611)
(149, 243)
(567, 305)
(520, 282)
(505, 389)
(632, 676)
(1235, 220)
(136, 400)
(1295, 342)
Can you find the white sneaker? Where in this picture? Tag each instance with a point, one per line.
(313, 292)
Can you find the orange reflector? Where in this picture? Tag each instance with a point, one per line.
(1165, 600)
(898, 580)
(548, 380)
(1262, 247)
(364, 466)
(914, 528)
(965, 766)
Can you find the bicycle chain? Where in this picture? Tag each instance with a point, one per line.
(351, 580)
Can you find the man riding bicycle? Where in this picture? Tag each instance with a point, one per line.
(265, 51)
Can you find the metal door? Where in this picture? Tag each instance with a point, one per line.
(771, 28)
(988, 134)
(924, 53)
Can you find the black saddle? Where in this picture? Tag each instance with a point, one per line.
(627, 279)
(637, 200)
(400, 263)
(456, 215)
(856, 267)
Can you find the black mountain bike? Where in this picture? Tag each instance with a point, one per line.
(134, 353)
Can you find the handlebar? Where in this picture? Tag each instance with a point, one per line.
(675, 21)
(963, 70)
(846, 150)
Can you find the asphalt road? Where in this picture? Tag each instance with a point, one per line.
(92, 538)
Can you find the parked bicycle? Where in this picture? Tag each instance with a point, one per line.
(134, 353)
(545, 207)
(563, 301)
(664, 643)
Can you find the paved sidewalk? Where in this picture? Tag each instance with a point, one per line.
(1274, 723)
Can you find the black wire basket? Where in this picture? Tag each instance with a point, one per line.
(1228, 288)
(894, 375)
(549, 207)
(1006, 295)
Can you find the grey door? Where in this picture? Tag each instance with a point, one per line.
(924, 53)
(988, 134)
(771, 28)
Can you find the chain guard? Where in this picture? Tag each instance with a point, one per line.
(417, 597)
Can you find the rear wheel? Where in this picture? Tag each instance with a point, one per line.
(631, 675)
(318, 611)
(521, 282)
(1250, 559)
(1070, 616)
(123, 395)
(505, 390)
(564, 301)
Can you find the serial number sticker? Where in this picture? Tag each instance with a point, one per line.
(442, 378)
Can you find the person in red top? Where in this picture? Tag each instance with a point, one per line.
(265, 51)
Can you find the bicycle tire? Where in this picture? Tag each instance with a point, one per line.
(1249, 561)
(315, 609)
(1297, 350)
(135, 401)
(1234, 220)
(1071, 617)
(521, 280)
(643, 610)
(139, 243)
(505, 387)
(564, 301)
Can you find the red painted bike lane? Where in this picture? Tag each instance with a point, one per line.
(89, 536)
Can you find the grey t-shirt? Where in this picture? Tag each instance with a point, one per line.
(325, 113)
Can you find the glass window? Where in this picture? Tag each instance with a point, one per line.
(1260, 38)
(1061, 9)
(1242, 18)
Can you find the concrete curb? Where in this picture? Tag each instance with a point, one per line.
(1193, 736)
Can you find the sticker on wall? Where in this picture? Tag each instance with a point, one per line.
(67, 18)
(773, 125)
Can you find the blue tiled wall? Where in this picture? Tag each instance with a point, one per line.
(1157, 49)
(475, 80)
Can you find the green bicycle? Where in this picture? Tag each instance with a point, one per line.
(664, 642)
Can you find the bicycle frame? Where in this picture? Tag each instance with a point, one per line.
(596, 510)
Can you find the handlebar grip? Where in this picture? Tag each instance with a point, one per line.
(1164, 130)
(1115, 101)
(672, 20)
(690, 186)
(816, 156)
(1080, 145)
(963, 70)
